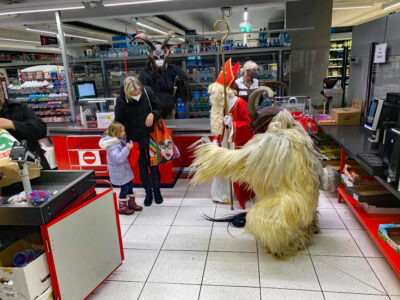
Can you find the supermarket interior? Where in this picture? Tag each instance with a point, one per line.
(214, 149)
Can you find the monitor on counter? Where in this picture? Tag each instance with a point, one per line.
(374, 114)
(85, 90)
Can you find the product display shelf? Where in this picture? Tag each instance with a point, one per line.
(371, 224)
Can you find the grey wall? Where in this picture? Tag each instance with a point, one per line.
(386, 76)
(310, 48)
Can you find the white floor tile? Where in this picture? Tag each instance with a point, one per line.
(394, 297)
(365, 243)
(171, 201)
(346, 274)
(293, 273)
(206, 194)
(117, 290)
(329, 219)
(124, 229)
(136, 266)
(334, 242)
(232, 269)
(236, 240)
(323, 201)
(155, 215)
(386, 275)
(335, 203)
(128, 220)
(343, 296)
(188, 238)
(179, 267)
(263, 250)
(193, 216)
(209, 292)
(163, 291)
(145, 237)
(283, 294)
(349, 218)
(198, 202)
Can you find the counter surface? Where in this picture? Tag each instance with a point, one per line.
(178, 126)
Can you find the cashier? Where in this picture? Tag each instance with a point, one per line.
(22, 123)
(248, 82)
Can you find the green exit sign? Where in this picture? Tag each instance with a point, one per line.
(245, 27)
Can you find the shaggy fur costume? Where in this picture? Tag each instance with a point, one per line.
(282, 168)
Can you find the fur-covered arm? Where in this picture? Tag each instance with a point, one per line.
(262, 162)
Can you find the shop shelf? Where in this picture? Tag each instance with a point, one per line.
(371, 224)
(335, 67)
(337, 49)
(335, 59)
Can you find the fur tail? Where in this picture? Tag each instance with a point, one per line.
(238, 220)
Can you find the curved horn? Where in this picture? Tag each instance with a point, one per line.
(169, 36)
(252, 105)
(144, 39)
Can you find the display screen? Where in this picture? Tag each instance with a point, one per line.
(85, 90)
(371, 113)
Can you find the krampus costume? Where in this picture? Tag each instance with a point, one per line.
(167, 81)
(283, 169)
(240, 132)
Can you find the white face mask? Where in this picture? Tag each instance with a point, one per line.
(137, 98)
(159, 62)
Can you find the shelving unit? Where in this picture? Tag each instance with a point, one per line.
(354, 140)
(339, 66)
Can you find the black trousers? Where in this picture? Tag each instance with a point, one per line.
(144, 165)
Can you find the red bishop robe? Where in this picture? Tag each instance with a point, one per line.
(241, 134)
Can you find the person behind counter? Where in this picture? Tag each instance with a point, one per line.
(23, 124)
(120, 170)
(137, 108)
(247, 83)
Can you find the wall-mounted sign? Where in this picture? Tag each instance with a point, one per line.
(48, 40)
(380, 53)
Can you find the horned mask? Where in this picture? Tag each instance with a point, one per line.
(157, 58)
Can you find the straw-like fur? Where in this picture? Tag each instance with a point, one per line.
(216, 92)
(282, 168)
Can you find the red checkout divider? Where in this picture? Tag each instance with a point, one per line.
(82, 152)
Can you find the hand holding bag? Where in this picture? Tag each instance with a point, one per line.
(161, 148)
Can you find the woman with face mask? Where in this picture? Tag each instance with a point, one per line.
(248, 82)
(137, 108)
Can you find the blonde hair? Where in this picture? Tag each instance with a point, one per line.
(248, 65)
(131, 84)
(115, 129)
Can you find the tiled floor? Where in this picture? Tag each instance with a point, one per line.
(171, 252)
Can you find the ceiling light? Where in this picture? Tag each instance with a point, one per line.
(245, 14)
(15, 40)
(133, 2)
(390, 5)
(66, 34)
(352, 7)
(40, 10)
(151, 28)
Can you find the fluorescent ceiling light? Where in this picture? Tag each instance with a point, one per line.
(66, 34)
(390, 5)
(245, 15)
(352, 7)
(15, 40)
(151, 28)
(40, 10)
(133, 2)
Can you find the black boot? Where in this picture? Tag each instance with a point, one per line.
(157, 196)
(149, 198)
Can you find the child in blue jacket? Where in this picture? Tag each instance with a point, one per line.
(119, 169)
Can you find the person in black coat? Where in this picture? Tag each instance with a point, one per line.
(137, 108)
(23, 124)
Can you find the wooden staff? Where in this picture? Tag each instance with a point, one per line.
(225, 94)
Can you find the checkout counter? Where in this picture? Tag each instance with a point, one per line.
(76, 148)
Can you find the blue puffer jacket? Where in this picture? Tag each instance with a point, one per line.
(117, 159)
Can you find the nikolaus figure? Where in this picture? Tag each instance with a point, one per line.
(238, 120)
(167, 81)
